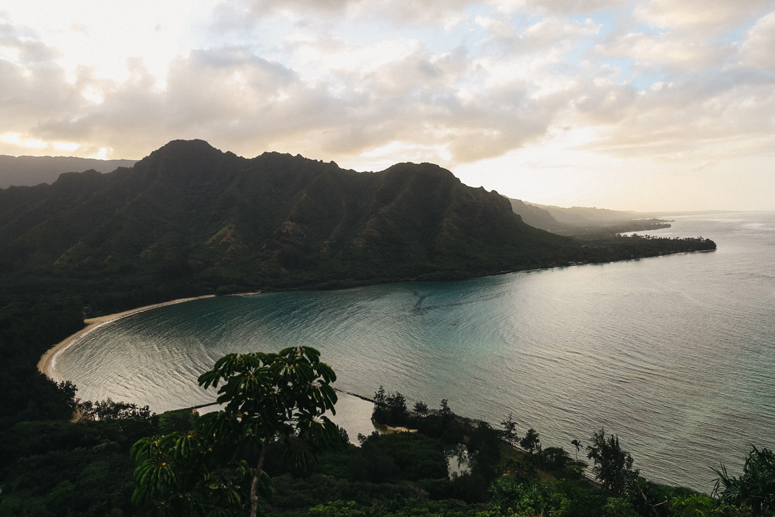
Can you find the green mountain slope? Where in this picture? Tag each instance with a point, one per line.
(191, 211)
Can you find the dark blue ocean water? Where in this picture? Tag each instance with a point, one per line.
(674, 354)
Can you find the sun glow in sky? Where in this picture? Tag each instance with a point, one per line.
(642, 104)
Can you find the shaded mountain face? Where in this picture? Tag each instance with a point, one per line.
(533, 215)
(191, 211)
(33, 170)
(581, 216)
(584, 223)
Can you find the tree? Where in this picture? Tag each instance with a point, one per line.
(379, 397)
(421, 408)
(389, 408)
(613, 466)
(531, 442)
(109, 410)
(396, 403)
(754, 488)
(510, 429)
(576, 444)
(553, 458)
(484, 447)
(445, 412)
(267, 397)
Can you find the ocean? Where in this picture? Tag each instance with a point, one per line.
(674, 354)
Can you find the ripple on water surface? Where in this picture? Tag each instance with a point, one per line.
(674, 354)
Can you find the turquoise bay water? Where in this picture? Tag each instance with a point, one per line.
(674, 354)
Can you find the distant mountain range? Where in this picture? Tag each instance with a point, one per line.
(195, 219)
(584, 222)
(26, 171)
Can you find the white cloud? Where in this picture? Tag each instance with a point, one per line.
(757, 49)
(691, 120)
(676, 53)
(243, 13)
(701, 15)
(550, 35)
(561, 7)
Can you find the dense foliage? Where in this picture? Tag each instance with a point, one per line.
(267, 397)
(612, 465)
(755, 487)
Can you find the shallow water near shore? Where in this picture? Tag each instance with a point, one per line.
(674, 354)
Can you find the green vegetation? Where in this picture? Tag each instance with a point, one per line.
(190, 220)
(268, 397)
(754, 488)
(613, 466)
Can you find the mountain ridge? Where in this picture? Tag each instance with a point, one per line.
(190, 209)
(27, 171)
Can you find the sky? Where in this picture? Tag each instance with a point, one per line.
(625, 104)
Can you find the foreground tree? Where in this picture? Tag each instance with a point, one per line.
(267, 397)
(613, 466)
(754, 488)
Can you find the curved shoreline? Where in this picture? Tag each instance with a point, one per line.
(47, 361)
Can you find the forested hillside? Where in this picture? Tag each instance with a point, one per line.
(190, 219)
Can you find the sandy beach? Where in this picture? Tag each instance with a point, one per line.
(48, 360)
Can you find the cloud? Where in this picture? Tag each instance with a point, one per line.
(757, 49)
(244, 13)
(239, 13)
(726, 117)
(561, 7)
(19, 45)
(677, 54)
(249, 104)
(704, 165)
(606, 102)
(699, 15)
(32, 85)
(79, 27)
(534, 46)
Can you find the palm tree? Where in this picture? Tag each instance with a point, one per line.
(578, 446)
(754, 488)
